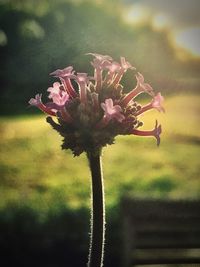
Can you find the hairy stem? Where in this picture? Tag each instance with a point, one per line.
(96, 251)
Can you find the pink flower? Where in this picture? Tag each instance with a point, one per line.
(59, 96)
(113, 68)
(155, 132)
(60, 99)
(155, 103)
(55, 90)
(37, 102)
(125, 65)
(111, 111)
(82, 79)
(99, 63)
(141, 87)
(65, 75)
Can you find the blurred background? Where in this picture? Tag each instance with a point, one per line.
(45, 192)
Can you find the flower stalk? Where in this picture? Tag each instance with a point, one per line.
(97, 236)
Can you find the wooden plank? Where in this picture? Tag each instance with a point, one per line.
(165, 256)
(128, 240)
(166, 261)
(167, 225)
(161, 208)
(168, 243)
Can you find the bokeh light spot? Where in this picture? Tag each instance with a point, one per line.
(3, 38)
(137, 15)
(32, 29)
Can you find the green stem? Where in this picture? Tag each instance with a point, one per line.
(96, 251)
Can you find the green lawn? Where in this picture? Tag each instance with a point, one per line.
(37, 173)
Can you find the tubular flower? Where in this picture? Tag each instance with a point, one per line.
(113, 69)
(141, 87)
(37, 102)
(155, 103)
(65, 75)
(99, 64)
(82, 80)
(93, 114)
(155, 132)
(125, 65)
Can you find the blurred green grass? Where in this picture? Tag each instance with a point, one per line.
(37, 174)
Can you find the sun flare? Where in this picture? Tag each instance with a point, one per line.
(189, 39)
(136, 15)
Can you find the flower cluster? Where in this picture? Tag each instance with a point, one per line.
(91, 111)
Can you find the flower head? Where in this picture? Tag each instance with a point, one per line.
(92, 115)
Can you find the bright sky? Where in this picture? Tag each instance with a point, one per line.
(180, 16)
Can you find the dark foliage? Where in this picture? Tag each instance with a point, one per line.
(61, 240)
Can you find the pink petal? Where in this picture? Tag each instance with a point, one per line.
(109, 103)
(157, 102)
(54, 90)
(35, 101)
(112, 112)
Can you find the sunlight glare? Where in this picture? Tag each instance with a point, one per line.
(137, 15)
(189, 39)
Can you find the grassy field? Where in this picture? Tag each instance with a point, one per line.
(36, 173)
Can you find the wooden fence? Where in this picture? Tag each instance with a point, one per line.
(160, 232)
